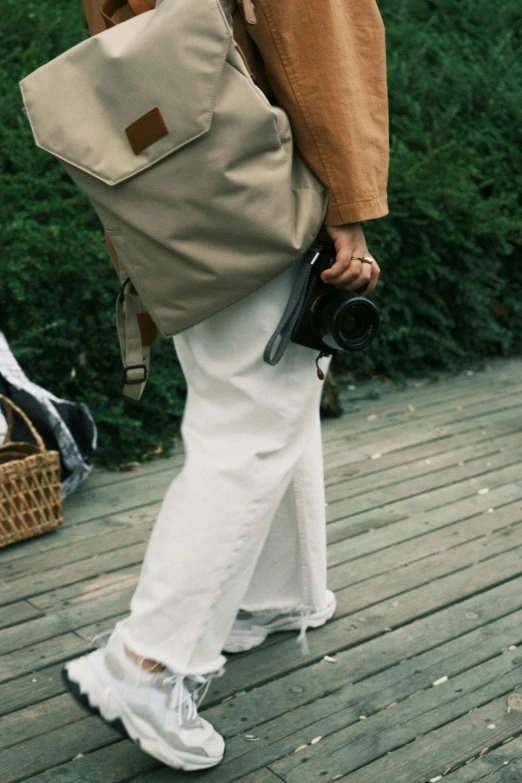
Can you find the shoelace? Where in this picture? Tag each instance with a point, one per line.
(301, 639)
(182, 691)
(99, 635)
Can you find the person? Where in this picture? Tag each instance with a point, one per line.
(238, 550)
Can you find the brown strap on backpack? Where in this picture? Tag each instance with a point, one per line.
(109, 8)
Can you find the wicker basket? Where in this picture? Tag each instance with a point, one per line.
(30, 488)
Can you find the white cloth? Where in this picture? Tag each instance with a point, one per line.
(243, 525)
(69, 423)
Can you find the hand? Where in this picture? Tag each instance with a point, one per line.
(347, 272)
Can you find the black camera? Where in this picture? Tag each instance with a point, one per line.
(330, 318)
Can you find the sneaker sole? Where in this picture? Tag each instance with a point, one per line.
(123, 723)
(243, 641)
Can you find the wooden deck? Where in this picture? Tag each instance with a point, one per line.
(422, 676)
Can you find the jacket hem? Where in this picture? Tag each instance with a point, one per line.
(357, 211)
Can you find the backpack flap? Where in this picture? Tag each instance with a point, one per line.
(122, 100)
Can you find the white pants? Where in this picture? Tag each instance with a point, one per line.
(243, 525)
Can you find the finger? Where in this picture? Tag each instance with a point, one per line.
(353, 284)
(375, 270)
(341, 264)
(347, 275)
(345, 265)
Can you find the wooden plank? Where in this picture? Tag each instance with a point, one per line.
(455, 459)
(60, 648)
(68, 619)
(103, 501)
(421, 524)
(17, 613)
(396, 730)
(442, 749)
(62, 744)
(353, 629)
(383, 670)
(39, 719)
(481, 470)
(395, 511)
(424, 710)
(63, 536)
(427, 558)
(28, 586)
(260, 776)
(375, 417)
(94, 589)
(419, 453)
(76, 551)
(121, 761)
(427, 545)
(148, 488)
(429, 393)
(379, 653)
(378, 691)
(102, 478)
(353, 447)
(31, 688)
(459, 420)
(500, 765)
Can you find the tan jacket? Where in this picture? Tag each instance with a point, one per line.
(324, 62)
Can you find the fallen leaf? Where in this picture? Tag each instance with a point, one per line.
(126, 466)
(514, 702)
(440, 681)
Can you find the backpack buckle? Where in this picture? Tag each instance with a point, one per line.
(134, 381)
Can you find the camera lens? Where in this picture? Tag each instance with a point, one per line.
(349, 322)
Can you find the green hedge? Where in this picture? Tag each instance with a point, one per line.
(451, 286)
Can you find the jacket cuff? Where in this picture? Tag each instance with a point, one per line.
(357, 211)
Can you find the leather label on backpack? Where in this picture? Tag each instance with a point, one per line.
(146, 130)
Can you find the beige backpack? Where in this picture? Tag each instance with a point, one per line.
(191, 170)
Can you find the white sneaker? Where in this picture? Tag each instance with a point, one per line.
(251, 629)
(156, 710)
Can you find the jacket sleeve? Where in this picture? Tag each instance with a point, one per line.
(326, 64)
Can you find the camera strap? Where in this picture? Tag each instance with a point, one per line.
(286, 325)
